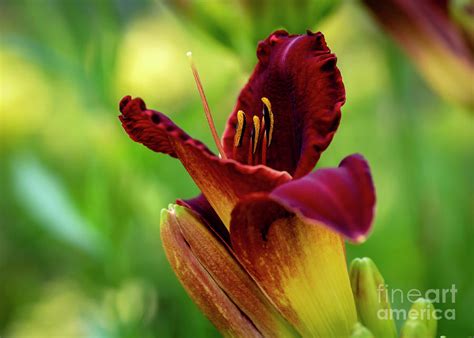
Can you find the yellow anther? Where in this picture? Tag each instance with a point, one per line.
(269, 119)
(256, 132)
(240, 128)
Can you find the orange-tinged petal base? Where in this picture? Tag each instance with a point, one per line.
(208, 260)
(205, 292)
(224, 182)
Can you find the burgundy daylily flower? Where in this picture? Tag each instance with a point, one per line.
(261, 251)
(438, 36)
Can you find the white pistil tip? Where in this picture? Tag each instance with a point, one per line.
(189, 54)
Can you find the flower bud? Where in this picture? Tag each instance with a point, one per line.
(371, 298)
(360, 331)
(421, 322)
(413, 329)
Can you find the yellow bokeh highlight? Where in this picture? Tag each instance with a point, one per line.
(25, 96)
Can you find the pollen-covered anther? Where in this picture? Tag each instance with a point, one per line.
(240, 129)
(269, 119)
(256, 132)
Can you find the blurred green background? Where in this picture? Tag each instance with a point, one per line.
(80, 253)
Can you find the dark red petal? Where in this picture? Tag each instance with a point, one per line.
(298, 74)
(342, 198)
(222, 181)
(153, 129)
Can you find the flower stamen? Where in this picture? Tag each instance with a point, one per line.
(256, 132)
(269, 119)
(205, 104)
(264, 143)
(250, 147)
(239, 131)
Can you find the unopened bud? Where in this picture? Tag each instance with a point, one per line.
(360, 331)
(371, 298)
(422, 321)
